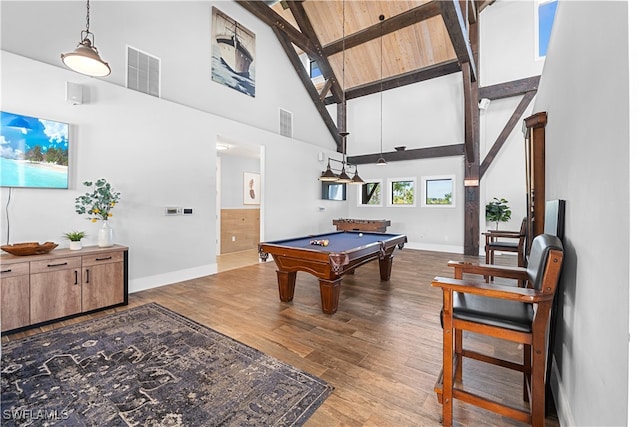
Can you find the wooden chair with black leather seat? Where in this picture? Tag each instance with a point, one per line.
(517, 314)
(515, 242)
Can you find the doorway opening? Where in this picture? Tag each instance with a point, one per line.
(239, 203)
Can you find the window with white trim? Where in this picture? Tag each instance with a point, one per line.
(438, 191)
(370, 193)
(402, 192)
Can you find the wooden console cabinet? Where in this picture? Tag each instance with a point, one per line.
(41, 289)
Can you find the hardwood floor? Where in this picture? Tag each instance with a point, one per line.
(381, 351)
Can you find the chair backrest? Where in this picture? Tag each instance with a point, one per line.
(554, 218)
(540, 247)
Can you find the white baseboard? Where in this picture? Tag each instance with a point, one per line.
(563, 408)
(150, 282)
(435, 247)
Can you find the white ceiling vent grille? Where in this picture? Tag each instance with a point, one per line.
(143, 72)
(285, 123)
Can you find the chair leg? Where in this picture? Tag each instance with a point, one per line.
(458, 353)
(447, 357)
(538, 366)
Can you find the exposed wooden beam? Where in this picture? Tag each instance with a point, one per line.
(482, 4)
(414, 154)
(325, 89)
(272, 19)
(305, 26)
(457, 28)
(506, 131)
(409, 17)
(426, 73)
(472, 151)
(509, 89)
(470, 110)
(308, 85)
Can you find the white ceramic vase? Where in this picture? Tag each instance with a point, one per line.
(75, 246)
(105, 235)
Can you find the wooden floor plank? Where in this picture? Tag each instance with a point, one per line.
(381, 351)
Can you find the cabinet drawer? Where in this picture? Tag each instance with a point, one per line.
(55, 264)
(102, 258)
(12, 270)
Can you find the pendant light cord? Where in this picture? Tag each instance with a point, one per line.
(381, 19)
(88, 16)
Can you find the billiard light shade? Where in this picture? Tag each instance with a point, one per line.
(330, 176)
(85, 59)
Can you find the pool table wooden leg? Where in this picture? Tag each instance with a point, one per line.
(286, 284)
(385, 267)
(330, 294)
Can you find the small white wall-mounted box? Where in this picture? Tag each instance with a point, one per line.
(73, 93)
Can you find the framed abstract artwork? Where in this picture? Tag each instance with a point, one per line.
(251, 189)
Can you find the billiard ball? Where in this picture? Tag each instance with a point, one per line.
(359, 234)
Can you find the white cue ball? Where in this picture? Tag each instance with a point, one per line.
(359, 234)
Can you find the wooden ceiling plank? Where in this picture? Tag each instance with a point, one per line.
(508, 128)
(413, 154)
(272, 19)
(308, 84)
(509, 89)
(457, 29)
(390, 25)
(321, 58)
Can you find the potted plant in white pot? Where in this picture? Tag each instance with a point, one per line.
(498, 211)
(75, 239)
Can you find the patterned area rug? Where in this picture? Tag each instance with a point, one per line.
(149, 366)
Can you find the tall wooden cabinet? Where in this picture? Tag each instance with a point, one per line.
(43, 288)
(535, 174)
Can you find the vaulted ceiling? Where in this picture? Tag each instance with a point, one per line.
(359, 54)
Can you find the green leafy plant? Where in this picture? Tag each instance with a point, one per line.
(498, 211)
(98, 203)
(75, 236)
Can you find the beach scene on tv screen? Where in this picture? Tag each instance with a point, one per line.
(34, 152)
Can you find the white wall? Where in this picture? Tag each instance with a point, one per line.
(179, 33)
(232, 169)
(507, 41)
(585, 91)
(634, 250)
(426, 114)
(156, 153)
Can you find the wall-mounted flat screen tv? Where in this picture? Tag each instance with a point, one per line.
(334, 190)
(34, 152)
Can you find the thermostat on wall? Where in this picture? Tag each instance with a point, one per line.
(172, 211)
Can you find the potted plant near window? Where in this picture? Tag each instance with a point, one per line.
(498, 211)
(75, 239)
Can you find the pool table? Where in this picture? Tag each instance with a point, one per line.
(346, 250)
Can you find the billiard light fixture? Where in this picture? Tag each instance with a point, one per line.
(343, 177)
(328, 175)
(85, 59)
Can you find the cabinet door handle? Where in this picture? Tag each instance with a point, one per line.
(6, 271)
(76, 274)
(57, 265)
(104, 259)
(87, 270)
